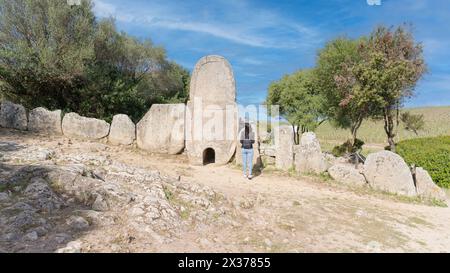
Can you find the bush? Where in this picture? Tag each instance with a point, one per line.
(432, 154)
(347, 148)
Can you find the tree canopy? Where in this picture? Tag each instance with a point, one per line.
(354, 80)
(61, 56)
(298, 100)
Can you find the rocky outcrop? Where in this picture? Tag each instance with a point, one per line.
(123, 131)
(426, 187)
(50, 203)
(308, 155)
(42, 120)
(284, 141)
(347, 174)
(161, 130)
(387, 171)
(76, 126)
(13, 116)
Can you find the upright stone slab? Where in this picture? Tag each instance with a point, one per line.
(161, 130)
(308, 155)
(387, 171)
(347, 174)
(426, 187)
(41, 120)
(123, 130)
(211, 118)
(284, 143)
(76, 126)
(13, 116)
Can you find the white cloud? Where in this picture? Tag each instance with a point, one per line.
(244, 24)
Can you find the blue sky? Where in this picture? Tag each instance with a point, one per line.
(265, 39)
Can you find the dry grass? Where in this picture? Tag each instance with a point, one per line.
(437, 123)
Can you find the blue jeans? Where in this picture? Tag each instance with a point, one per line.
(247, 161)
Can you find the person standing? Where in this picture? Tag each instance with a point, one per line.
(247, 138)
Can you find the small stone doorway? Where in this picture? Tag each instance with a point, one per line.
(209, 156)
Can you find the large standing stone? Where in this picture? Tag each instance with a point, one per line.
(161, 130)
(387, 171)
(42, 120)
(76, 126)
(123, 130)
(211, 118)
(426, 187)
(347, 174)
(284, 143)
(13, 116)
(308, 155)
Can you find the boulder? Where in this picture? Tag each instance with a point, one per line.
(426, 187)
(308, 155)
(123, 131)
(268, 150)
(387, 171)
(284, 143)
(161, 130)
(13, 116)
(347, 174)
(76, 126)
(42, 120)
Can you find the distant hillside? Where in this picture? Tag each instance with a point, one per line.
(372, 132)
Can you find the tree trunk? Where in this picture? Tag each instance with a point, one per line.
(389, 127)
(296, 135)
(354, 128)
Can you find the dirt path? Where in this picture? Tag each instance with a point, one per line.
(279, 213)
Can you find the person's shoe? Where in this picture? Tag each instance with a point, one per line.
(245, 176)
(250, 177)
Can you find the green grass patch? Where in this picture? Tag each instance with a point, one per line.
(432, 154)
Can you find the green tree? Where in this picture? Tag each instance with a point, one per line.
(44, 46)
(412, 122)
(346, 103)
(298, 101)
(392, 63)
(60, 56)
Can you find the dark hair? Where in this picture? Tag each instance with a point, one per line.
(247, 131)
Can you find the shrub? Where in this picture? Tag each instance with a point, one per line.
(432, 154)
(347, 148)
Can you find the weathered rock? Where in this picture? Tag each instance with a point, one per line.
(284, 141)
(32, 236)
(268, 150)
(74, 125)
(41, 195)
(268, 160)
(123, 131)
(347, 174)
(161, 130)
(42, 120)
(387, 171)
(100, 204)
(13, 116)
(4, 197)
(77, 223)
(27, 154)
(308, 155)
(211, 116)
(72, 247)
(426, 187)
